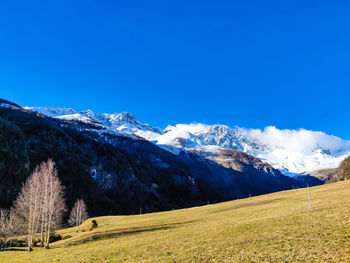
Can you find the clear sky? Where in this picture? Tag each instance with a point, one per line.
(245, 63)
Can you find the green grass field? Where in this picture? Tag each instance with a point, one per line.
(272, 228)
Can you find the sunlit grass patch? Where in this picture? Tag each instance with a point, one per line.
(272, 228)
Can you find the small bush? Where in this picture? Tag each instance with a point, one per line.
(93, 224)
(18, 243)
(55, 237)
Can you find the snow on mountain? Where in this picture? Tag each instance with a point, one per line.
(76, 117)
(124, 122)
(299, 151)
(8, 104)
(52, 111)
(291, 151)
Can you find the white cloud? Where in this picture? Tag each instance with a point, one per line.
(301, 140)
(185, 131)
(191, 128)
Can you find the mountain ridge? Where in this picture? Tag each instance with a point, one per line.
(321, 154)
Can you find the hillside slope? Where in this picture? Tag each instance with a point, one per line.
(118, 178)
(326, 175)
(271, 228)
(334, 175)
(116, 174)
(343, 171)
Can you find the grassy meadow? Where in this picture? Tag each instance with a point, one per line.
(271, 228)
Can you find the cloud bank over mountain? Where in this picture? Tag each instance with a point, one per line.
(301, 140)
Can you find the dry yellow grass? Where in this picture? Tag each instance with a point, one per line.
(272, 228)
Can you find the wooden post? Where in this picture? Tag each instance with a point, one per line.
(308, 195)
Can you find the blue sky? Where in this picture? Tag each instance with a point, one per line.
(245, 63)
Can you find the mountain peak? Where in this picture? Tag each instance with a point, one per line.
(124, 118)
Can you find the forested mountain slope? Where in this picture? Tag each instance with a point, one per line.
(117, 174)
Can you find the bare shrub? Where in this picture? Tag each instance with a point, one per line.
(78, 214)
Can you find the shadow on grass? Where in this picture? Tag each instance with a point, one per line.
(259, 203)
(127, 232)
(13, 249)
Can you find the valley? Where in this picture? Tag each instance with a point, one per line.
(276, 227)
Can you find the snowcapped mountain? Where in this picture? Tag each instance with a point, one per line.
(122, 123)
(291, 151)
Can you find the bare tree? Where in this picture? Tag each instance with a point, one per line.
(4, 214)
(27, 206)
(52, 205)
(7, 227)
(11, 226)
(78, 214)
(40, 204)
(3, 224)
